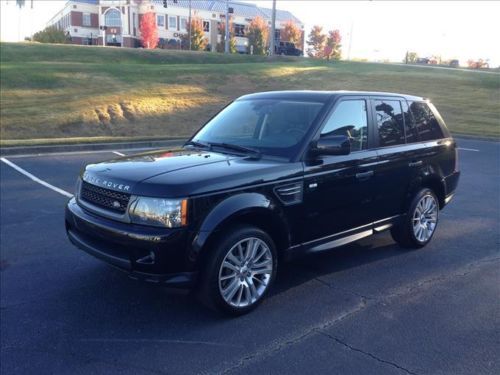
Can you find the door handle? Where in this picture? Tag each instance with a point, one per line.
(415, 163)
(364, 175)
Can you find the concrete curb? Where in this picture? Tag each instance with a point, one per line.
(51, 149)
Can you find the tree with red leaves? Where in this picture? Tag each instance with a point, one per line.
(258, 36)
(316, 42)
(332, 48)
(291, 33)
(149, 31)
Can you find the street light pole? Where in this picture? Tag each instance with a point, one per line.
(226, 38)
(273, 29)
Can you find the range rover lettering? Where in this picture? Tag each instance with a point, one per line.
(273, 176)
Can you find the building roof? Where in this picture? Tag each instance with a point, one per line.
(241, 9)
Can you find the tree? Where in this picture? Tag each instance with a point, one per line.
(291, 33)
(149, 30)
(258, 36)
(410, 58)
(316, 42)
(50, 35)
(198, 40)
(20, 3)
(221, 47)
(332, 48)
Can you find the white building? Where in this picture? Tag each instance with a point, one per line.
(117, 21)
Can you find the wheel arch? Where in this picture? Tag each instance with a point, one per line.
(252, 209)
(433, 182)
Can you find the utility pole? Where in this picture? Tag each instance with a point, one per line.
(226, 38)
(189, 32)
(273, 29)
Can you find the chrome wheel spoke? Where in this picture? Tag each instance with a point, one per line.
(227, 277)
(231, 290)
(231, 266)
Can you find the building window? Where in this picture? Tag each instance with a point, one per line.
(239, 30)
(172, 22)
(206, 26)
(86, 19)
(113, 18)
(184, 23)
(160, 20)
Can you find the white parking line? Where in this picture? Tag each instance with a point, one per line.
(36, 179)
(468, 149)
(118, 153)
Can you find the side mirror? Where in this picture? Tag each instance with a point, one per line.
(334, 145)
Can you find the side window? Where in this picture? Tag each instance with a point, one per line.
(390, 122)
(410, 128)
(426, 123)
(349, 118)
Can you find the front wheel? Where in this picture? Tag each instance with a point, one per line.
(240, 271)
(418, 227)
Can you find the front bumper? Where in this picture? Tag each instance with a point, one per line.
(157, 255)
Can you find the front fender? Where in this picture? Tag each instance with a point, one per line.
(230, 208)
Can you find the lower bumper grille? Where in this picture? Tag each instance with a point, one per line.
(104, 198)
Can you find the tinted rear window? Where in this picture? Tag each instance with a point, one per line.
(425, 122)
(389, 122)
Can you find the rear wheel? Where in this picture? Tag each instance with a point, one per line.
(419, 225)
(240, 271)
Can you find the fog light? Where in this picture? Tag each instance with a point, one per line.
(148, 259)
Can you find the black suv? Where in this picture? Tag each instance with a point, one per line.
(273, 176)
(288, 49)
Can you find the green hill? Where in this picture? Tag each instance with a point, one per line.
(54, 91)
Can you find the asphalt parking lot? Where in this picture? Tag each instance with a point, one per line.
(367, 308)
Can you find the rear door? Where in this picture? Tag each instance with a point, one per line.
(401, 155)
(440, 153)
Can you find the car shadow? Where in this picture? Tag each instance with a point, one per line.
(109, 292)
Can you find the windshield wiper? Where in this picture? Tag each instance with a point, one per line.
(197, 144)
(231, 146)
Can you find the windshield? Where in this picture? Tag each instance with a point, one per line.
(271, 126)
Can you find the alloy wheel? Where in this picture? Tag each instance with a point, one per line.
(245, 272)
(425, 218)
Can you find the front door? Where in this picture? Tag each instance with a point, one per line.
(339, 190)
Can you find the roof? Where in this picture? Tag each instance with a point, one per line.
(247, 10)
(322, 96)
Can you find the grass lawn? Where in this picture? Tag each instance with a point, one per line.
(56, 91)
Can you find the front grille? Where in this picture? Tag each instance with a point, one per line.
(105, 198)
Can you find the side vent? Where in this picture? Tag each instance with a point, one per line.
(290, 193)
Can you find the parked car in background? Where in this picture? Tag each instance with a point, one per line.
(454, 63)
(273, 176)
(288, 49)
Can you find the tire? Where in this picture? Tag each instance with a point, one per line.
(235, 279)
(420, 222)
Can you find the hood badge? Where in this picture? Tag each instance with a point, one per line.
(87, 177)
(116, 204)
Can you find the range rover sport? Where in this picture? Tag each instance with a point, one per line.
(272, 176)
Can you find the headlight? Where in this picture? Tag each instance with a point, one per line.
(170, 213)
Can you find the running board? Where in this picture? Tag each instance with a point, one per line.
(342, 241)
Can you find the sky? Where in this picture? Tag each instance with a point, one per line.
(375, 30)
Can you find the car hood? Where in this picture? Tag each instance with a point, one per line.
(182, 172)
